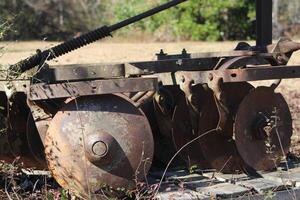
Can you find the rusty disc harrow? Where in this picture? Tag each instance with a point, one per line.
(100, 141)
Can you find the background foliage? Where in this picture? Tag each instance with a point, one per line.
(193, 20)
(196, 19)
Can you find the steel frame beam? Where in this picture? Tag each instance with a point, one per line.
(239, 75)
(264, 22)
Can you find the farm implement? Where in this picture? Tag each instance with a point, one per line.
(104, 126)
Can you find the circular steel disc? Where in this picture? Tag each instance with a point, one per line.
(262, 118)
(183, 131)
(161, 124)
(219, 146)
(96, 142)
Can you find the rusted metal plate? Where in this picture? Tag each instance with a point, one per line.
(80, 72)
(233, 94)
(242, 62)
(99, 142)
(44, 91)
(263, 128)
(161, 122)
(152, 67)
(242, 75)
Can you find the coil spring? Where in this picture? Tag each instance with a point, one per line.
(60, 49)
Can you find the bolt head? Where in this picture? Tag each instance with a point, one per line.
(100, 149)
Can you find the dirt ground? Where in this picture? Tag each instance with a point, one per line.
(115, 51)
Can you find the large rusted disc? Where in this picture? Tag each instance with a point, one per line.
(98, 142)
(184, 131)
(219, 146)
(263, 128)
(161, 124)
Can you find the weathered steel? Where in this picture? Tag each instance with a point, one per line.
(90, 119)
(185, 122)
(97, 142)
(79, 72)
(263, 128)
(44, 91)
(240, 75)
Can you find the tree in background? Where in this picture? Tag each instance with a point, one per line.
(50, 19)
(196, 19)
(286, 18)
(193, 20)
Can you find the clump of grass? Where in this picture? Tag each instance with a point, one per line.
(5, 26)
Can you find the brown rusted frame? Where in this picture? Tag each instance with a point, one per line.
(239, 75)
(173, 63)
(44, 91)
(79, 72)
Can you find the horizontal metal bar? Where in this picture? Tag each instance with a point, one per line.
(240, 75)
(63, 73)
(43, 91)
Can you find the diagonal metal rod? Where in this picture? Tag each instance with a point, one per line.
(83, 40)
(145, 14)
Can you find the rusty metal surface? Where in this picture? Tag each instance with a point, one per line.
(44, 91)
(99, 141)
(35, 141)
(241, 75)
(164, 105)
(242, 62)
(216, 142)
(263, 128)
(185, 128)
(152, 67)
(79, 72)
(40, 117)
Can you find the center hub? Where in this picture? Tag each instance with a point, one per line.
(100, 148)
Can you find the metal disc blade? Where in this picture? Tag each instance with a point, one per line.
(263, 128)
(96, 142)
(162, 126)
(219, 146)
(163, 146)
(183, 131)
